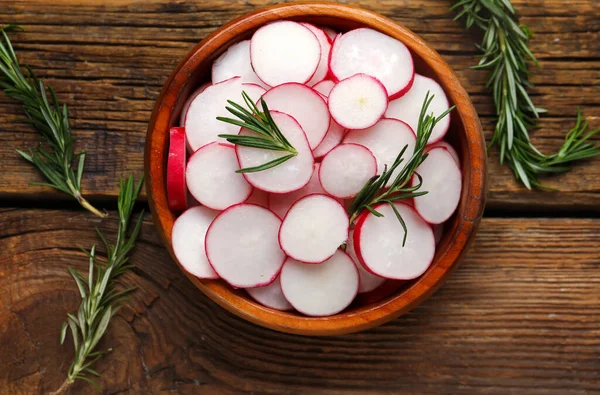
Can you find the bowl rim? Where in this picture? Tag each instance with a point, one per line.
(374, 314)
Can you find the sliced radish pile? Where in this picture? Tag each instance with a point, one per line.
(378, 243)
(212, 180)
(176, 188)
(332, 139)
(442, 180)
(345, 170)
(289, 176)
(314, 228)
(258, 197)
(368, 281)
(357, 102)
(235, 62)
(371, 52)
(281, 203)
(189, 100)
(242, 246)
(408, 107)
(447, 147)
(284, 52)
(271, 296)
(305, 105)
(320, 290)
(188, 236)
(324, 87)
(323, 67)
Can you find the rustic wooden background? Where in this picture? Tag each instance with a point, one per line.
(521, 315)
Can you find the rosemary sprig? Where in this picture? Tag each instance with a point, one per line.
(505, 54)
(100, 300)
(261, 122)
(378, 189)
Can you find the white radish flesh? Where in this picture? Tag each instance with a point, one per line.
(346, 169)
(320, 290)
(235, 62)
(313, 228)
(332, 139)
(189, 231)
(212, 180)
(176, 187)
(357, 102)
(189, 100)
(368, 281)
(408, 107)
(447, 147)
(376, 54)
(378, 243)
(271, 296)
(281, 203)
(242, 246)
(324, 87)
(283, 52)
(323, 67)
(288, 176)
(258, 197)
(255, 91)
(442, 180)
(305, 105)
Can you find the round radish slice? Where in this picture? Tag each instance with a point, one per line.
(438, 231)
(442, 180)
(189, 231)
(320, 290)
(447, 147)
(378, 243)
(212, 180)
(345, 170)
(281, 203)
(241, 246)
(271, 296)
(324, 87)
(176, 188)
(235, 62)
(289, 176)
(189, 100)
(408, 107)
(258, 197)
(332, 139)
(314, 228)
(323, 67)
(305, 105)
(368, 281)
(283, 52)
(329, 32)
(371, 52)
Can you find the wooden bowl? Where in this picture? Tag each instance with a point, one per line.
(393, 298)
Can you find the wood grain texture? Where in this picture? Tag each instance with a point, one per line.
(109, 60)
(520, 315)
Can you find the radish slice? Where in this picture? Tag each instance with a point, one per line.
(283, 52)
(408, 107)
(289, 176)
(320, 290)
(378, 243)
(235, 62)
(371, 52)
(176, 188)
(189, 231)
(438, 231)
(323, 67)
(332, 139)
(368, 281)
(254, 91)
(258, 197)
(329, 32)
(324, 87)
(314, 228)
(212, 180)
(358, 102)
(345, 170)
(281, 203)
(271, 296)
(305, 105)
(447, 147)
(241, 246)
(189, 100)
(442, 180)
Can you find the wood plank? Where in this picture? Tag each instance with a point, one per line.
(520, 315)
(108, 62)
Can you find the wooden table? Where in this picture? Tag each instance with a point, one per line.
(520, 315)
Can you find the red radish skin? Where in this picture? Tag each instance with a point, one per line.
(189, 100)
(281, 203)
(376, 54)
(442, 179)
(345, 170)
(313, 228)
(447, 147)
(235, 62)
(324, 87)
(378, 243)
(303, 104)
(323, 67)
(242, 248)
(189, 231)
(284, 51)
(176, 187)
(357, 102)
(329, 32)
(271, 296)
(408, 107)
(368, 281)
(320, 290)
(212, 180)
(258, 197)
(289, 176)
(332, 139)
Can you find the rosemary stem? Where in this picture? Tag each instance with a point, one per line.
(83, 202)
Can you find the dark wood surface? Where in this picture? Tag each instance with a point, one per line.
(520, 315)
